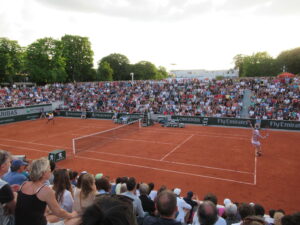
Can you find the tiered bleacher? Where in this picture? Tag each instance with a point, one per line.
(272, 98)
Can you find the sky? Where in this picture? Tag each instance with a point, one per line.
(176, 34)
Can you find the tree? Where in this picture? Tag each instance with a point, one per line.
(161, 73)
(144, 70)
(44, 61)
(238, 63)
(10, 59)
(78, 55)
(290, 61)
(119, 64)
(258, 64)
(105, 72)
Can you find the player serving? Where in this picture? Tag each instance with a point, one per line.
(256, 137)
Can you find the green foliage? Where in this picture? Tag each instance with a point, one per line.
(220, 77)
(161, 73)
(144, 71)
(256, 65)
(78, 56)
(290, 60)
(104, 72)
(44, 61)
(10, 59)
(119, 64)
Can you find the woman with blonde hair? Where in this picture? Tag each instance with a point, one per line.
(85, 196)
(35, 195)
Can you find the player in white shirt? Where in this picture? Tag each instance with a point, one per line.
(256, 137)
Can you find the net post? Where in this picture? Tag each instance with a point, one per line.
(73, 144)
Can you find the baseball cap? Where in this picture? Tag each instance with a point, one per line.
(227, 201)
(18, 163)
(177, 191)
(98, 175)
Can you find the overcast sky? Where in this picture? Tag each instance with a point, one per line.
(193, 34)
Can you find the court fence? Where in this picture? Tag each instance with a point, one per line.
(8, 115)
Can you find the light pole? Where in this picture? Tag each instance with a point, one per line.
(132, 76)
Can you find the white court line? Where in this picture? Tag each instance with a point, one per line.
(64, 147)
(197, 133)
(30, 149)
(28, 142)
(134, 165)
(138, 140)
(58, 134)
(178, 146)
(255, 164)
(177, 163)
(165, 170)
(207, 135)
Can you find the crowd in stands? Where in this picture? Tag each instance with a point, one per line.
(37, 193)
(271, 98)
(276, 99)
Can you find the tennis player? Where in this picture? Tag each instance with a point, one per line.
(50, 117)
(256, 137)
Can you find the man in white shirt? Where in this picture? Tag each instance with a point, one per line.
(182, 206)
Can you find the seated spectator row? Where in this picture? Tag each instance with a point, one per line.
(39, 194)
(272, 98)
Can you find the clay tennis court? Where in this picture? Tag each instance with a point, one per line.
(202, 159)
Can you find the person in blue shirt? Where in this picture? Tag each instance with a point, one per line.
(16, 176)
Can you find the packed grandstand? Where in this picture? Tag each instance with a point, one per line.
(271, 97)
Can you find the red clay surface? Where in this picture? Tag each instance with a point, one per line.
(201, 159)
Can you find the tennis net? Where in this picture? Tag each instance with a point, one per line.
(98, 139)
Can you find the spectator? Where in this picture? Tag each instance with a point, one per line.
(108, 210)
(253, 220)
(244, 210)
(63, 189)
(213, 198)
(7, 199)
(113, 187)
(63, 193)
(189, 199)
(259, 210)
(137, 205)
(166, 204)
(103, 186)
(85, 196)
(277, 218)
(16, 176)
(183, 207)
(147, 203)
(152, 192)
(293, 219)
(52, 167)
(231, 214)
(208, 215)
(38, 195)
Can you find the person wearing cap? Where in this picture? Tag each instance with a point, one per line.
(183, 207)
(16, 176)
